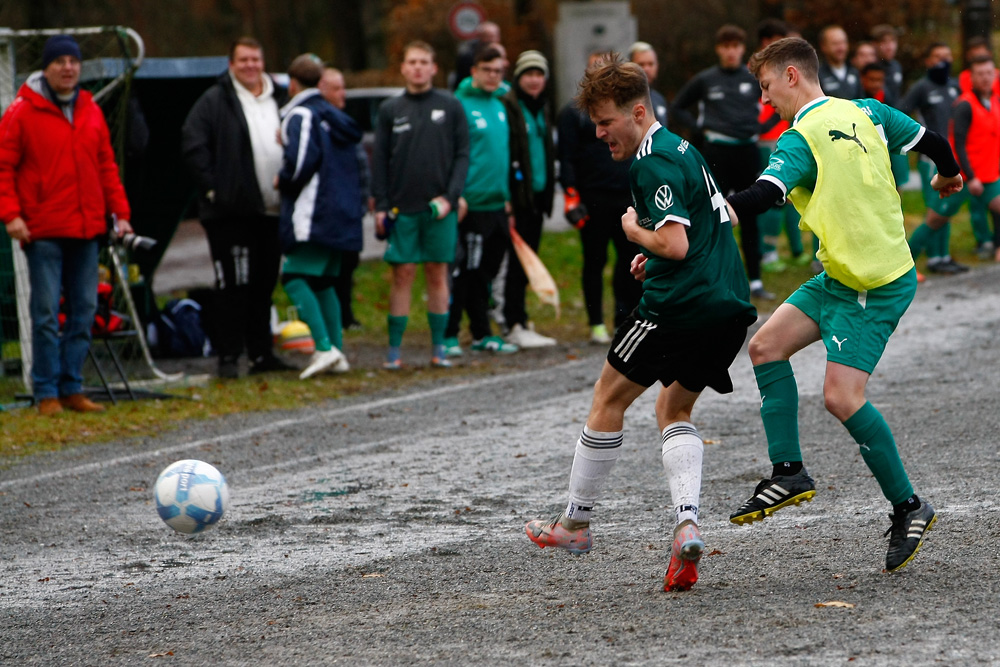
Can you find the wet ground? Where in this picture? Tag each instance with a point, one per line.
(388, 529)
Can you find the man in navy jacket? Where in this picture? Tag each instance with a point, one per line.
(321, 210)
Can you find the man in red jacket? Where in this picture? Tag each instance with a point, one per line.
(58, 184)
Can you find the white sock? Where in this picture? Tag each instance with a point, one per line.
(682, 453)
(596, 453)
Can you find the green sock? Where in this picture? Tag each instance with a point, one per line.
(878, 449)
(980, 223)
(779, 410)
(944, 240)
(935, 246)
(919, 240)
(438, 322)
(308, 307)
(769, 224)
(329, 304)
(397, 325)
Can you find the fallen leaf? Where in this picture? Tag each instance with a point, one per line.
(716, 552)
(161, 655)
(835, 603)
(372, 575)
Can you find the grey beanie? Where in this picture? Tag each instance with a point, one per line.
(531, 60)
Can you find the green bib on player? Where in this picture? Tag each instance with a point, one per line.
(854, 208)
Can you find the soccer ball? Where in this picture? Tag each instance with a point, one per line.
(191, 496)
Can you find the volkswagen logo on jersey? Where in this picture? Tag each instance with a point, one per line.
(664, 197)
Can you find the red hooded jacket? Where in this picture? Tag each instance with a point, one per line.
(60, 177)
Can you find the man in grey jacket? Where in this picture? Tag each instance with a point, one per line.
(229, 142)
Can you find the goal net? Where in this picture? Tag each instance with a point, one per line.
(111, 56)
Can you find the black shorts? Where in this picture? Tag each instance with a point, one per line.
(645, 352)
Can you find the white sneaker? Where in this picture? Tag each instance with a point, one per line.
(321, 361)
(599, 335)
(526, 338)
(341, 366)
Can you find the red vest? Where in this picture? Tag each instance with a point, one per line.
(766, 111)
(982, 143)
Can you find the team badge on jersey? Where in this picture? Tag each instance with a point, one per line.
(437, 115)
(664, 197)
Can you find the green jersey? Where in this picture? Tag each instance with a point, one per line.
(671, 183)
(833, 163)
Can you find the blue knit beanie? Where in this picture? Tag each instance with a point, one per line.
(60, 45)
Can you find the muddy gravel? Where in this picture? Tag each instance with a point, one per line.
(388, 529)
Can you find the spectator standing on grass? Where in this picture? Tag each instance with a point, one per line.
(865, 53)
(837, 76)
(933, 97)
(486, 33)
(597, 193)
(975, 138)
(229, 142)
(532, 183)
(978, 46)
(834, 165)
(781, 216)
(332, 88)
(58, 184)
(644, 55)
(873, 81)
(689, 326)
(728, 102)
(886, 40)
(320, 185)
(420, 162)
(485, 213)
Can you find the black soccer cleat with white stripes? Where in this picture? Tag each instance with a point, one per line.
(773, 494)
(906, 534)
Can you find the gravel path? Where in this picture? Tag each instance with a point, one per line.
(389, 529)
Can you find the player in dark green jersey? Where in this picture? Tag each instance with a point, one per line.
(689, 326)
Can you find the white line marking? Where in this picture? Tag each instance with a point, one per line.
(278, 425)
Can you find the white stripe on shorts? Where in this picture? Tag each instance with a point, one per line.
(631, 340)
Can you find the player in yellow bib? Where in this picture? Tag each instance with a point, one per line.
(833, 164)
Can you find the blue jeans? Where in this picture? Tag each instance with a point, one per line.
(67, 267)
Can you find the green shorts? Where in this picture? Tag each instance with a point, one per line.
(310, 259)
(949, 206)
(417, 238)
(855, 326)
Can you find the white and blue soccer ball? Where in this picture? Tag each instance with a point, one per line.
(191, 496)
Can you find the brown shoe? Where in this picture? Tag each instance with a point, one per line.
(80, 403)
(49, 406)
